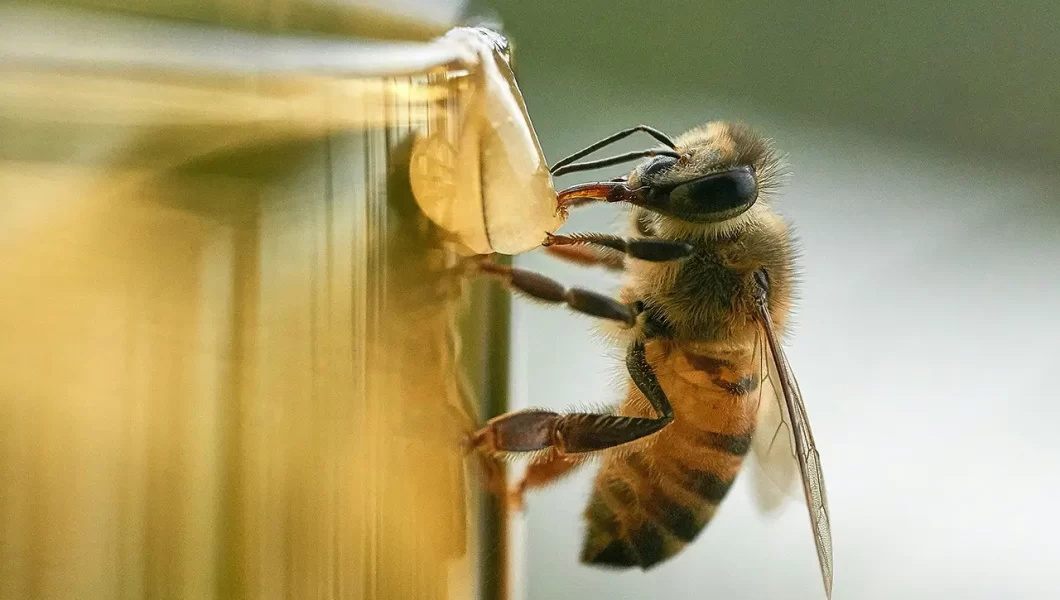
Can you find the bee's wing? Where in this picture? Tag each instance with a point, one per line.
(786, 436)
(774, 466)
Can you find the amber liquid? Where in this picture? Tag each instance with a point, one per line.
(232, 363)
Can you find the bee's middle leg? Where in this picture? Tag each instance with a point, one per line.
(613, 250)
(539, 287)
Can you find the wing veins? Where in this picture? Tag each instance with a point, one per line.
(805, 450)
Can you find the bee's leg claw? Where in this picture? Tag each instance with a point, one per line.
(471, 442)
(480, 443)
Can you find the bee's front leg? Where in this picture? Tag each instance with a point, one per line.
(610, 252)
(649, 249)
(589, 257)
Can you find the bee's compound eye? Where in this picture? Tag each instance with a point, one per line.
(658, 165)
(717, 196)
(724, 190)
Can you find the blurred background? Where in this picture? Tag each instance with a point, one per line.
(923, 139)
(191, 292)
(234, 362)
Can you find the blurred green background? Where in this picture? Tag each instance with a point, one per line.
(974, 77)
(922, 138)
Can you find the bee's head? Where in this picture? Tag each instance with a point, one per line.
(722, 171)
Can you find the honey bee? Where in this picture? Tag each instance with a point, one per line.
(709, 279)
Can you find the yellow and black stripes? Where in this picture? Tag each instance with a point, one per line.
(649, 503)
(736, 445)
(643, 511)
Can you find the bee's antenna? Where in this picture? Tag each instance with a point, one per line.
(563, 169)
(655, 133)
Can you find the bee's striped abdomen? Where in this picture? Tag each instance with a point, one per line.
(649, 503)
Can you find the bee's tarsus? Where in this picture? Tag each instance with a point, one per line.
(589, 256)
(649, 249)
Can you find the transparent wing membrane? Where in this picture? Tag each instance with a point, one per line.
(784, 439)
(773, 446)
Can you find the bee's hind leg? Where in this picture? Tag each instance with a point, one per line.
(578, 433)
(564, 435)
